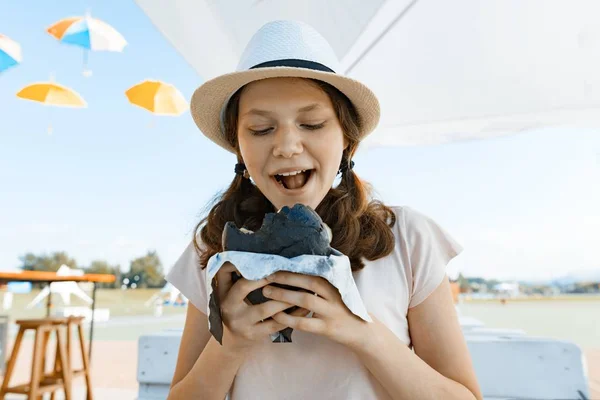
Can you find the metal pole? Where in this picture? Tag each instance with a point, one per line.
(49, 302)
(92, 323)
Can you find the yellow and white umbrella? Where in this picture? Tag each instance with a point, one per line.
(158, 97)
(52, 94)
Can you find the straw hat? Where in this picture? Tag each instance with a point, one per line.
(280, 49)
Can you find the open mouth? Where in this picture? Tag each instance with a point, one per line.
(294, 180)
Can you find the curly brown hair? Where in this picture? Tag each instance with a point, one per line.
(361, 226)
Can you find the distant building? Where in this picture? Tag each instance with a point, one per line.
(541, 290)
(478, 287)
(507, 289)
(586, 287)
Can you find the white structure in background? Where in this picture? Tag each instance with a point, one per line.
(168, 295)
(64, 289)
(7, 301)
(12, 289)
(508, 289)
(455, 70)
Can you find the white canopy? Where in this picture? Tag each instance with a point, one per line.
(64, 289)
(443, 70)
(168, 293)
(507, 287)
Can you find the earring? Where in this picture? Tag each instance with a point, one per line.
(344, 166)
(240, 169)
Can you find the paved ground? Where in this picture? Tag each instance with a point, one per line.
(79, 393)
(114, 358)
(115, 368)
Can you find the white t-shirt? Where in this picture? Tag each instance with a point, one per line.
(313, 366)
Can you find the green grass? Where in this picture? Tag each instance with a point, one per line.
(119, 302)
(564, 297)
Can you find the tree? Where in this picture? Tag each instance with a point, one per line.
(44, 262)
(492, 283)
(463, 283)
(102, 267)
(146, 271)
(477, 280)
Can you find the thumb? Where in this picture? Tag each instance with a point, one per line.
(224, 280)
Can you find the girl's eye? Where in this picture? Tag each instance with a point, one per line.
(260, 132)
(313, 127)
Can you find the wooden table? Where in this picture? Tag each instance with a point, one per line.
(50, 277)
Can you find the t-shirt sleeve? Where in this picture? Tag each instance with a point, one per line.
(430, 250)
(189, 278)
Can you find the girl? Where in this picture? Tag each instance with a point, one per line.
(294, 125)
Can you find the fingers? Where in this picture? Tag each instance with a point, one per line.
(300, 312)
(243, 287)
(305, 300)
(269, 327)
(313, 284)
(267, 310)
(239, 289)
(313, 325)
(255, 322)
(224, 281)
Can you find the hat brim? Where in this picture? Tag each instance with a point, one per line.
(208, 100)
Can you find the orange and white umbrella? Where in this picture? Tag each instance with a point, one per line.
(158, 97)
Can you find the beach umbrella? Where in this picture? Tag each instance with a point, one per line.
(10, 53)
(158, 97)
(89, 33)
(52, 94)
(444, 71)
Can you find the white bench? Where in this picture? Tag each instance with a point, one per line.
(528, 367)
(508, 365)
(157, 356)
(481, 331)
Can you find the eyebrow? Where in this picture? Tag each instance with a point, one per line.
(265, 113)
(309, 108)
(254, 111)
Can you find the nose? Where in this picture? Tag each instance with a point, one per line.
(287, 142)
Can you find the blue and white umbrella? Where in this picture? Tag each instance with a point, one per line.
(10, 53)
(89, 33)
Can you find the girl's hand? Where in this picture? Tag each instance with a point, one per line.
(243, 325)
(331, 317)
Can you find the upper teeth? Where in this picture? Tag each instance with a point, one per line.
(291, 173)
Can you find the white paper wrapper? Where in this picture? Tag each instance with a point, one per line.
(255, 266)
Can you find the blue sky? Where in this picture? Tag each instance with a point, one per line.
(113, 181)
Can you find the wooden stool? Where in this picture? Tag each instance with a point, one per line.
(58, 368)
(39, 383)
